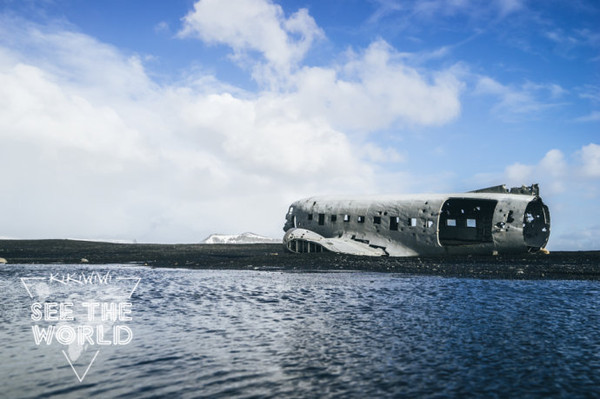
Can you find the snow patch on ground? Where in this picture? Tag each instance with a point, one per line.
(245, 238)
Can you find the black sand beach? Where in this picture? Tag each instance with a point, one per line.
(556, 265)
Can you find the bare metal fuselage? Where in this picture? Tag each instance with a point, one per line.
(492, 220)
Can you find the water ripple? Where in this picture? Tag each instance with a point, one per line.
(207, 333)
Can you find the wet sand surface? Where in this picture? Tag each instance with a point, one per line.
(556, 265)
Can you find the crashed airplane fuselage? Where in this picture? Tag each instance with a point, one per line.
(487, 221)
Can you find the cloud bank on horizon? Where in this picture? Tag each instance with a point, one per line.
(213, 119)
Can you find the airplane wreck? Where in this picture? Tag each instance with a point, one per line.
(492, 220)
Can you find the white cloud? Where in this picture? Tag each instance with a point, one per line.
(371, 90)
(162, 27)
(580, 239)
(382, 155)
(590, 158)
(519, 100)
(507, 7)
(429, 9)
(121, 157)
(518, 173)
(101, 150)
(593, 116)
(375, 90)
(553, 172)
(34, 108)
(262, 134)
(254, 25)
(554, 164)
(567, 42)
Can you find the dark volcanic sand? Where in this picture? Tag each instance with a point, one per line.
(556, 265)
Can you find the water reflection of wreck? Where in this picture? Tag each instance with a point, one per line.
(486, 221)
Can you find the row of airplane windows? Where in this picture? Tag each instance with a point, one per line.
(394, 221)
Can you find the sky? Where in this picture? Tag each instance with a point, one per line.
(167, 121)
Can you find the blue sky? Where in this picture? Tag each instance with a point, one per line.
(165, 121)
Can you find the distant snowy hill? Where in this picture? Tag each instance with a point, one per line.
(245, 238)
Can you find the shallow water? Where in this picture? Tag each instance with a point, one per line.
(215, 333)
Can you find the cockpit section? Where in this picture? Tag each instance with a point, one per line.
(536, 224)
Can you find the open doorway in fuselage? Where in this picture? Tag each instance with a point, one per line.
(466, 221)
